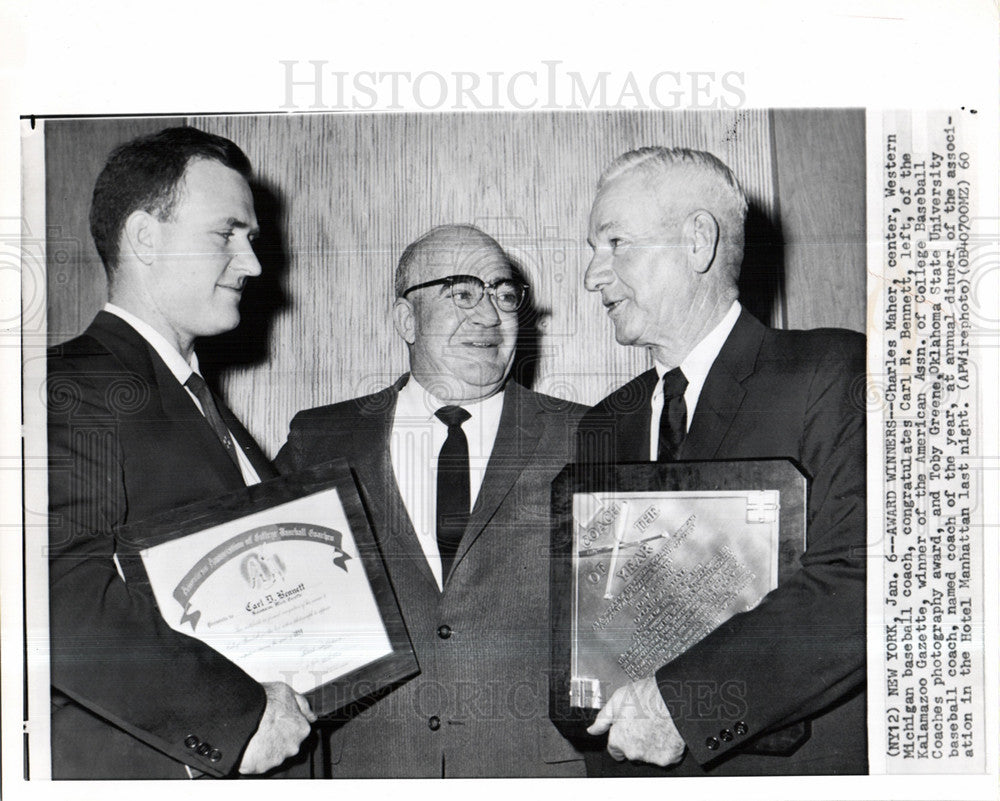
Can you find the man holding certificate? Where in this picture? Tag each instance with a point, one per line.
(134, 432)
(454, 462)
(778, 689)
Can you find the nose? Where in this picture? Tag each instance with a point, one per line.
(598, 272)
(246, 262)
(486, 312)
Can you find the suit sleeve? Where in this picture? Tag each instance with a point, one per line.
(111, 650)
(803, 646)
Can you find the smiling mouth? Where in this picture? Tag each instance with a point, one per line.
(481, 344)
(613, 304)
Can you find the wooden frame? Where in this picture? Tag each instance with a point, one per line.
(273, 563)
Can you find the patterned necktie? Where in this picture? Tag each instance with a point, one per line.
(209, 408)
(673, 418)
(452, 485)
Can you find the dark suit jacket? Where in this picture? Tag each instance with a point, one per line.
(130, 696)
(479, 706)
(799, 657)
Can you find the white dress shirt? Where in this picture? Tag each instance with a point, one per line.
(695, 368)
(182, 370)
(414, 444)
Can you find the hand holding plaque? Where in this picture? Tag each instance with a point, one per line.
(283, 579)
(650, 558)
(639, 725)
(284, 725)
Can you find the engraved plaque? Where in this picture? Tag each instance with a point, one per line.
(650, 558)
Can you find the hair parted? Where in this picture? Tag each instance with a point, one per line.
(145, 174)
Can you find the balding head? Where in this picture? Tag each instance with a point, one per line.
(457, 353)
(448, 250)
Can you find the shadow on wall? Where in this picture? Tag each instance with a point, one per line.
(529, 337)
(762, 278)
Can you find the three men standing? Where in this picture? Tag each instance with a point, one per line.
(454, 463)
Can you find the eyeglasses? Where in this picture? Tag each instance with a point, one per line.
(467, 290)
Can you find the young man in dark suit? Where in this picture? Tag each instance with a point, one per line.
(454, 462)
(667, 234)
(133, 432)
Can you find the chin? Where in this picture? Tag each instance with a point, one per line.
(218, 329)
(624, 337)
(485, 381)
(486, 378)
(226, 320)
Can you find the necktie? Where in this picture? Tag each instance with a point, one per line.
(452, 485)
(673, 418)
(204, 395)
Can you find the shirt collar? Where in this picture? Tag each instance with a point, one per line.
(171, 356)
(703, 355)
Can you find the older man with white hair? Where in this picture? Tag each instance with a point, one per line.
(778, 689)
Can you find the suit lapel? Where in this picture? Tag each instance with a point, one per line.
(261, 465)
(178, 406)
(124, 342)
(393, 526)
(632, 425)
(168, 398)
(517, 439)
(723, 392)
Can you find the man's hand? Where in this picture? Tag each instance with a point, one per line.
(641, 727)
(285, 724)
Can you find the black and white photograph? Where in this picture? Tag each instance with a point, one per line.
(345, 316)
(494, 424)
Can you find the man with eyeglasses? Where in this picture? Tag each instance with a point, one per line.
(454, 462)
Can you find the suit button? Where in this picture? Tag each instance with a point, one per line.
(712, 744)
(191, 741)
(725, 735)
(434, 723)
(741, 728)
(204, 749)
(444, 632)
(216, 755)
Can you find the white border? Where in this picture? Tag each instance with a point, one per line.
(186, 56)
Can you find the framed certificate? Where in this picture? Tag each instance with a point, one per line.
(647, 559)
(284, 579)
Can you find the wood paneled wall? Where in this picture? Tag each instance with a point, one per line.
(820, 183)
(75, 152)
(339, 196)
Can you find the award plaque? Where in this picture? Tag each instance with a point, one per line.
(647, 559)
(282, 578)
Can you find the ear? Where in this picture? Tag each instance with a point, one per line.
(140, 234)
(404, 318)
(701, 231)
